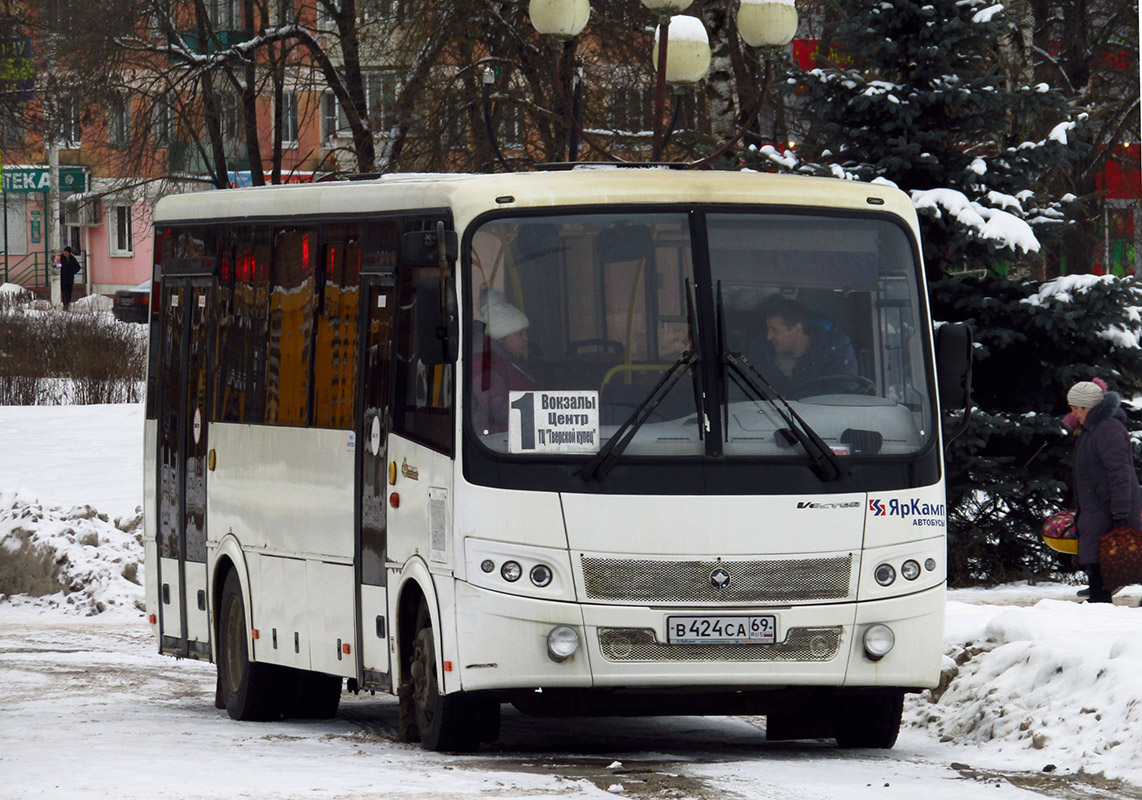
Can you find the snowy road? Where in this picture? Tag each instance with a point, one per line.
(1044, 695)
(89, 710)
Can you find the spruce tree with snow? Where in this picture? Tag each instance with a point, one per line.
(917, 98)
(1012, 467)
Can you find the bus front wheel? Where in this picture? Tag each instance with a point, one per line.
(453, 722)
(250, 691)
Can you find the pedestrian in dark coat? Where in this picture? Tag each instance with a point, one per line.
(1105, 483)
(68, 269)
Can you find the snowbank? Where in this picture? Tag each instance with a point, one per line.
(13, 289)
(1057, 682)
(73, 559)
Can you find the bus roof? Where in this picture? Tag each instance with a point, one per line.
(469, 195)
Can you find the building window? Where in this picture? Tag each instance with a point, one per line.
(381, 89)
(160, 17)
(231, 123)
(161, 123)
(381, 10)
(331, 117)
(224, 15)
(287, 11)
(119, 122)
(12, 129)
(122, 237)
(60, 16)
(632, 108)
(68, 127)
(287, 119)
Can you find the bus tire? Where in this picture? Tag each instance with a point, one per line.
(250, 691)
(312, 695)
(868, 719)
(442, 721)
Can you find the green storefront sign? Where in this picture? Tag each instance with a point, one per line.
(25, 180)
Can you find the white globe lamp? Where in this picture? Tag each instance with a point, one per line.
(767, 23)
(560, 19)
(667, 7)
(688, 52)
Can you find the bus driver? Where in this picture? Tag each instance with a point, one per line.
(801, 348)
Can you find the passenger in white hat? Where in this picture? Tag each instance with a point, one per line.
(506, 324)
(499, 363)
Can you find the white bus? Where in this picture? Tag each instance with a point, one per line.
(598, 441)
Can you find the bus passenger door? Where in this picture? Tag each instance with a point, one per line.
(183, 413)
(372, 450)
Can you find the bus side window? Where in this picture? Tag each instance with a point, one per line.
(424, 392)
(335, 337)
(243, 335)
(291, 326)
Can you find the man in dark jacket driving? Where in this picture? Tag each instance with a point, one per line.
(803, 355)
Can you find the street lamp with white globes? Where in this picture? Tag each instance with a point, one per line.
(681, 50)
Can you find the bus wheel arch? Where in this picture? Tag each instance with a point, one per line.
(248, 690)
(455, 722)
(411, 597)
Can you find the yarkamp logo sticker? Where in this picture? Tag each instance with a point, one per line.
(921, 514)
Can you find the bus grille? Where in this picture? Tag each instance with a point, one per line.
(639, 644)
(645, 580)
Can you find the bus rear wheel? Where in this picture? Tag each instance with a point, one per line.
(453, 722)
(868, 719)
(250, 691)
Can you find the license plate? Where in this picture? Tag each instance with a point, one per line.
(760, 629)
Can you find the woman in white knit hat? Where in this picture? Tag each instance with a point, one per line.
(1105, 482)
(499, 362)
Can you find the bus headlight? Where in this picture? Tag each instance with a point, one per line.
(540, 575)
(511, 571)
(885, 574)
(878, 641)
(910, 569)
(562, 643)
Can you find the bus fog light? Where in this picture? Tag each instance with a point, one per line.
(878, 641)
(819, 647)
(540, 575)
(562, 642)
(885, 574)
(910, 569)
(511, 571)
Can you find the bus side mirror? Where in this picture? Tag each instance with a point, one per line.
(437, 326)
(422, 248)
(953, 364)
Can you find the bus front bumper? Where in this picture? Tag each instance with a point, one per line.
(502, 644)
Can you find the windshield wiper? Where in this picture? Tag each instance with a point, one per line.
(825, 463)
(602, 462)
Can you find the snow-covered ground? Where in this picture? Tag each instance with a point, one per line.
(1043, 694)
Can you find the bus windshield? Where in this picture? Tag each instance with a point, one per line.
(696, 333)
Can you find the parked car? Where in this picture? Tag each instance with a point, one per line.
(132, 305)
